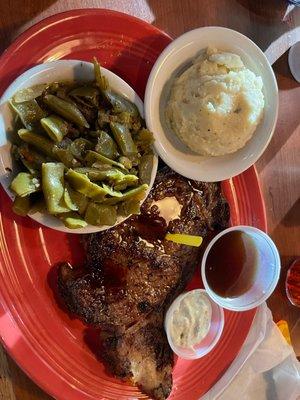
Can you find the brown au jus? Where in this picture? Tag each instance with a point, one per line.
(235, 253)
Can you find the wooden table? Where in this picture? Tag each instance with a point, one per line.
(279, 167)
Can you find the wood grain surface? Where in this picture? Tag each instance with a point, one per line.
(279, 168)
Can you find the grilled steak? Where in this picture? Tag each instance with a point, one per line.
(132, 273)
(142, 353)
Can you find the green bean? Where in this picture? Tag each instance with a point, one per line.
(111, 192)
(29, 112)
(101, 80)
(145, 168)
(66, 110)
(106, 146)
(121, 181)
(95, 174)
(53, 187)
(71, 205)
(30, 93)
(128, 180)
(114, 176)
(93, 157)
(73, 221)
(120, 103)
(99, 214)
(87, 94)
(33, 159)
(79, 173)
(126, 162)
(137, 193)
(21, 205)
(129, 207)
(38, 141)
(85, 91)
(55, 127)
(17, 155)
(66, 157)
(100, 166)
(120, 187)
(79, 199)
(82, 184)
(24, 184)
(79, 147)
(123, 137)
(144, 139)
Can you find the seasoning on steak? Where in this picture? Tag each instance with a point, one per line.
(132, 274)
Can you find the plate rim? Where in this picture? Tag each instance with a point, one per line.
(70, 13)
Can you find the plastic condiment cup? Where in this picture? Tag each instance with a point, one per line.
(266, 276)
(209, 341)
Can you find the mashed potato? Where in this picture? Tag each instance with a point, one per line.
(216, 104)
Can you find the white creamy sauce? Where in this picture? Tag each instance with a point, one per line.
(191, 320)
(169, 208)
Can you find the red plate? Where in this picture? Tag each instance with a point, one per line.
(54, 350)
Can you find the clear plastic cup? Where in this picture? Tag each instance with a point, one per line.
(266, 276)
(209, 341)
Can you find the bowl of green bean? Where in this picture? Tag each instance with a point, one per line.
(75, 153)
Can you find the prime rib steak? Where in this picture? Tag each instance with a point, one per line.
(132, 274)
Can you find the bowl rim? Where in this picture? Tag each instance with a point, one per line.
(41, 68)
(219, 331)
(177, 163)
(218, 299)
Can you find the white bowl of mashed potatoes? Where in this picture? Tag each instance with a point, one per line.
(212, 103)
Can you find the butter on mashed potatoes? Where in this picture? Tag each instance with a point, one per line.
(216, 104)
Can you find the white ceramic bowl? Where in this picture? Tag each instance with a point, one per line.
(172, 61)
(266, 276)
(46, 73)
(212, 337)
